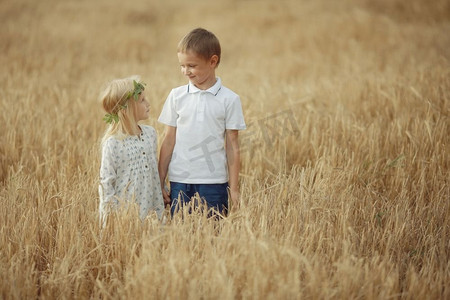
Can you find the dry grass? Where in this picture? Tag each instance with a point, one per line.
(345, 164)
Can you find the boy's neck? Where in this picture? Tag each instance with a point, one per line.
(207, 84)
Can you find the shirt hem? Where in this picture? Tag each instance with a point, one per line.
(198, 181)
(235, 127)
(167, 123)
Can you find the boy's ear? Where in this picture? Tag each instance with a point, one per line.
(213, 60)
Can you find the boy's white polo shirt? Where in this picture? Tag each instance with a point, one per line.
(201, 118)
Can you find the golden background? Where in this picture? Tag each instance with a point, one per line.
(345, 162)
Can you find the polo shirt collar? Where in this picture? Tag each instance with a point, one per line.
(213, 90)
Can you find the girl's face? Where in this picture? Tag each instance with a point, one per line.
(200, 72)
(142, 108)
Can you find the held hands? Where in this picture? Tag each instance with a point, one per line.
(166, 195)
(235, 197)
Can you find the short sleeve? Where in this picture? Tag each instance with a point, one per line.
(234, 115)
(168, 114)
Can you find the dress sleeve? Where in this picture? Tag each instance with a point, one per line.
(154, 143)
(108, 175)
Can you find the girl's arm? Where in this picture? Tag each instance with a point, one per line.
(233, 162)
(165, 156)
(108, 177)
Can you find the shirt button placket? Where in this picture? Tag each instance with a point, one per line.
(201, 106)
(143, 154)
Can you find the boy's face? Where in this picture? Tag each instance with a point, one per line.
(200, 72)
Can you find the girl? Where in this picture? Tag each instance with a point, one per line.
(129, 170)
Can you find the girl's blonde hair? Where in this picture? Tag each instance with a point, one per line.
(115, 101)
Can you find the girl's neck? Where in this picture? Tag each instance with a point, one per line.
(135, 130)
(138, 130)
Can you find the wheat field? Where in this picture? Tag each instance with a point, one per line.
(344, 164)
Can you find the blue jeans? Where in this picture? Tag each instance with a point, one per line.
(215, 195)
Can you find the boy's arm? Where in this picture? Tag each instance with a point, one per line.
(165, 156)
(233, 161)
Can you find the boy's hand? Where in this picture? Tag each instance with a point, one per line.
(235, 198)
(165, 155)
(166, 195)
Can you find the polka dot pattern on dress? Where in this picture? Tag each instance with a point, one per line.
(129, 170)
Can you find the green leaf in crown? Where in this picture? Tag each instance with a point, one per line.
(138, 88)
(111, 118)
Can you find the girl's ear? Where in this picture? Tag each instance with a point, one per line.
(213, 60)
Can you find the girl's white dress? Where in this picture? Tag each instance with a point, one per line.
(129, 172)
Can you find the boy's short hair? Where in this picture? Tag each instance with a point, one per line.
(201, 41)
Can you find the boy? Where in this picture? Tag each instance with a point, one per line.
(200, 150)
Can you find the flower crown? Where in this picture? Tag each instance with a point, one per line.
(138, 88)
